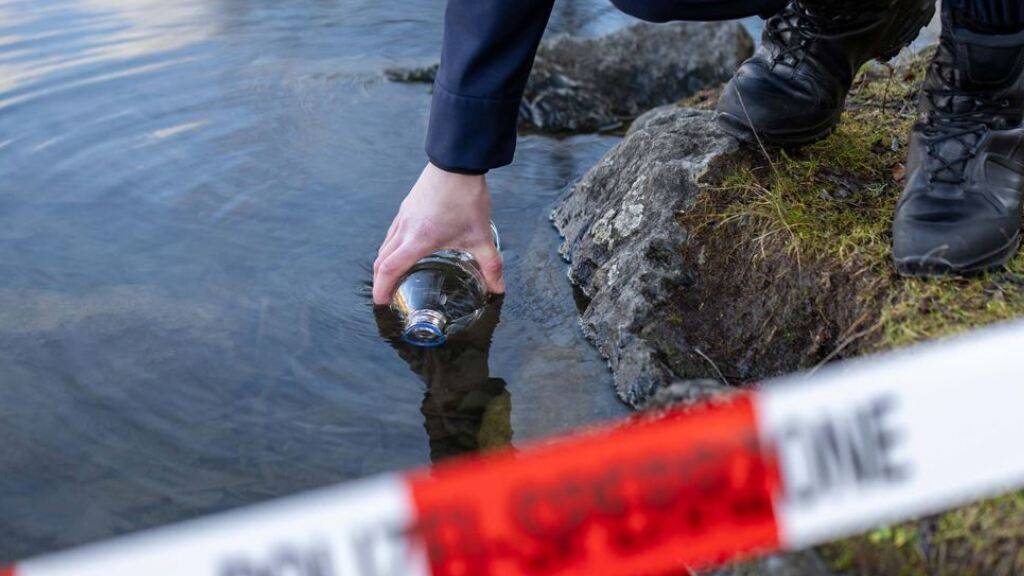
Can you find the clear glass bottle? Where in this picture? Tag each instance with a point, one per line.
(440, 295)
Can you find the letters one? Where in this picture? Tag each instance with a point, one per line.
(842, 452)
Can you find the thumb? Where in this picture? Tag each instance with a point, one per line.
(490, 263)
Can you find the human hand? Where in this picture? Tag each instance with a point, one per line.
(443, 210)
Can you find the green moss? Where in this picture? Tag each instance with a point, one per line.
(833, 202)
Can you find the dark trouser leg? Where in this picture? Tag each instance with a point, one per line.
(697, 10)
(989, 16)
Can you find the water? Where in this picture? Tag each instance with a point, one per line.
(192, 193)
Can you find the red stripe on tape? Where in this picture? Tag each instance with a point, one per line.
(4, 571)
(644, 498)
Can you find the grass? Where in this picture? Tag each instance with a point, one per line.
(983, 539)
(833, 202)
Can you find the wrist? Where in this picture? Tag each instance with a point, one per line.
(457, 179)
(456, 170)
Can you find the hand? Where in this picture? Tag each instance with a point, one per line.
(443, 210)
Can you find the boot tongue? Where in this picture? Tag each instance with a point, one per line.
(794, 21)
(953, 136)
(956, 97)
(957, 104)
(976, 80)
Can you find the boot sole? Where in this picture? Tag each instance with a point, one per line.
(933, 267)
(744, 132)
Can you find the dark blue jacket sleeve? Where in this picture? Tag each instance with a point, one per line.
(488, 50)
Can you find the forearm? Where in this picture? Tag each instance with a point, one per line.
(489, 47)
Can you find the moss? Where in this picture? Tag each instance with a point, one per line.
(829, 207)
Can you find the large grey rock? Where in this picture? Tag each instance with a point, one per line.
(589, 84)
(625, 247)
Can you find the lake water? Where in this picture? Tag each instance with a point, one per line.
(191, 194)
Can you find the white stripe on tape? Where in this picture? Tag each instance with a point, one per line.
(357, 529)
(886, 439)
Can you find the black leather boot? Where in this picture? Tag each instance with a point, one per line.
(793, 90)
(960, 210)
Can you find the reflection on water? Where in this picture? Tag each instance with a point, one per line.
(191, 192)
(464, 408)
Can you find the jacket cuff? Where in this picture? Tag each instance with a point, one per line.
(455, 169)
(470, 134)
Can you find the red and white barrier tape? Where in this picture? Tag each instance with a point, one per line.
(794, 464)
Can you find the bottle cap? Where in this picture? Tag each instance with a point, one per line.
(425, 328)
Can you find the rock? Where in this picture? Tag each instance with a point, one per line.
(590, 84)
(625, 247)
(686, 393)
(670, 295)
(424, 75)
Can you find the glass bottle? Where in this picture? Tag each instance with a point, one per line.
(441, 295)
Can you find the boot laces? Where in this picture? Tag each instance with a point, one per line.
(793, 29)
(960, 117)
